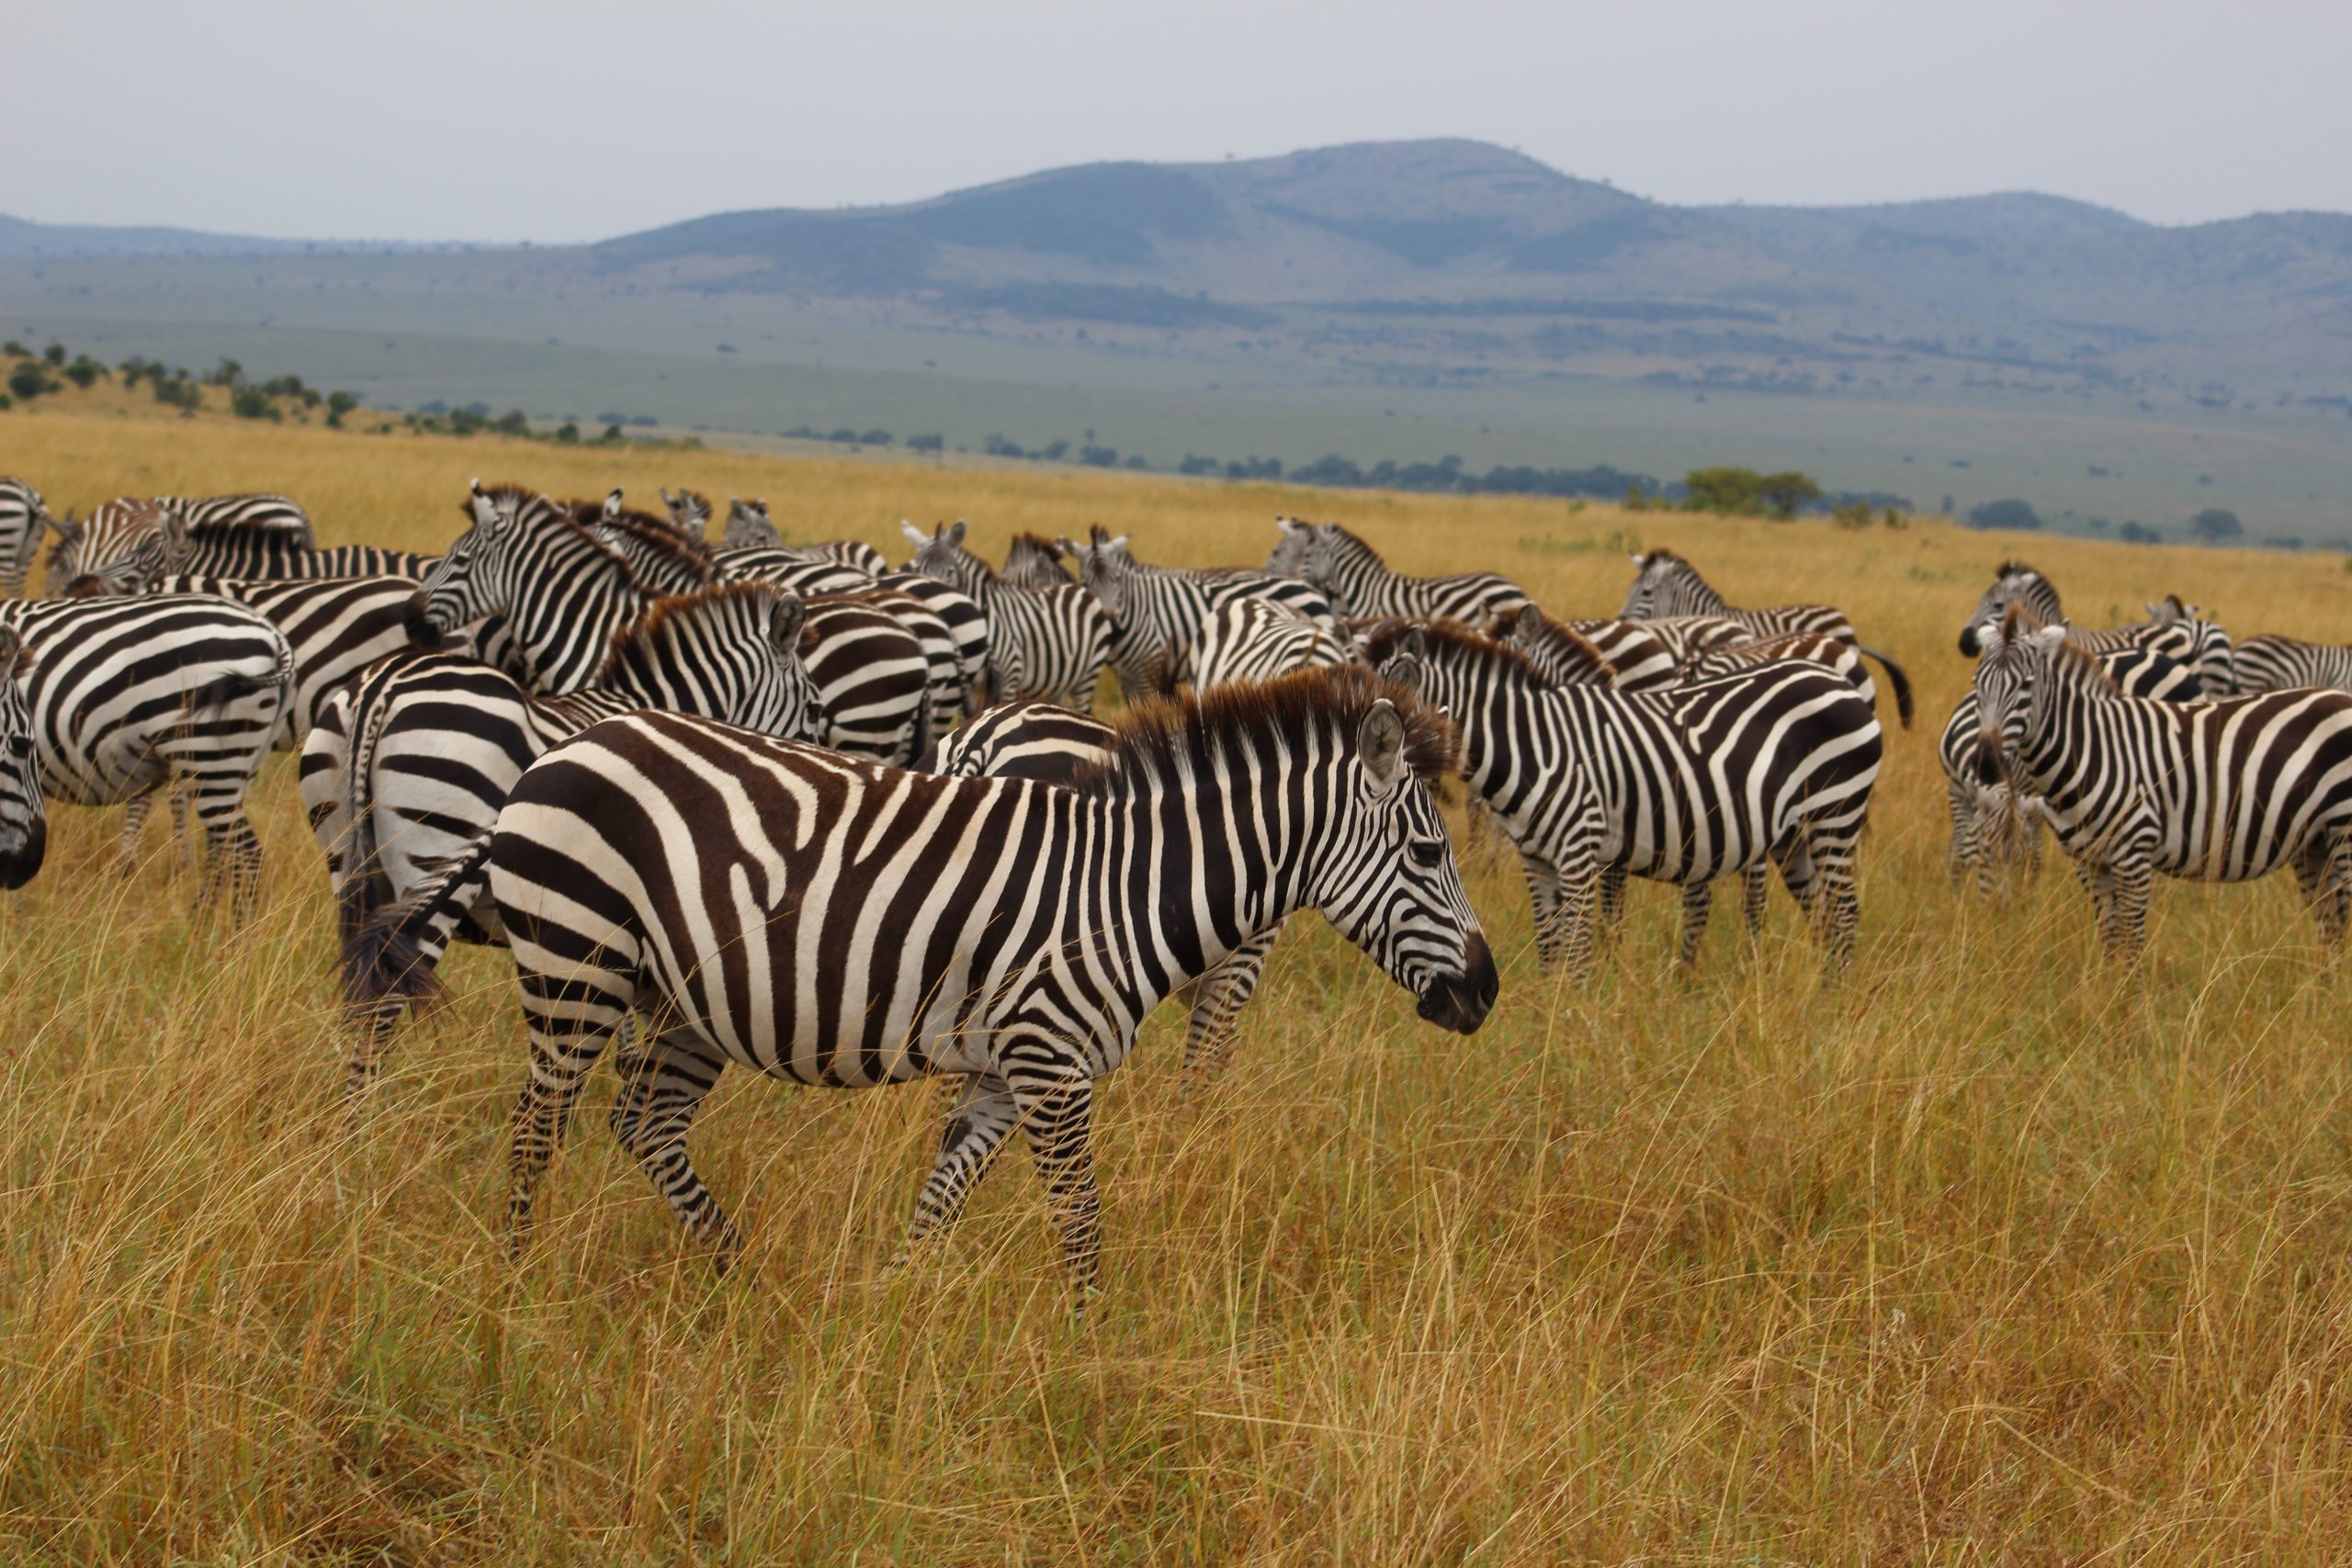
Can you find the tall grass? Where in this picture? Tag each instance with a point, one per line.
(1988, 1253)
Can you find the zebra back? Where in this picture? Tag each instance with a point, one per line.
(1639, 659)
(1666, 584)
(1049, 642)
(1359, 583)
(1156, 611)
(1044, 741)
(1257, 640)
(2275, 663)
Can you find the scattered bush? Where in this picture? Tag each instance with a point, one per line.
(2011, 514)
(926, 443)
(251, 403)
(2214, 525)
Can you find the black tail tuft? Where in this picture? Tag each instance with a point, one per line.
(1897, 679)
(382, 961)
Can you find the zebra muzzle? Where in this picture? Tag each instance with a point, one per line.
(1990, 764)
(1461, 1002)
(21, 854)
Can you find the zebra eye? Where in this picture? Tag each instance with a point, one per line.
(1426, 853)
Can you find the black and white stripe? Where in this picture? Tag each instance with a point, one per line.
(2220, 790)
(24, 518)
(254, 511)
(875, 926)
(418, 758)
(2275, 663)
(750, 527)
(1032, 560)
(1836, 653)
(1638, 658)
(1048, 643)
(129, 546)
(179, 694)
(1360, 585)
(1157, 611)
(1774, 764)
(1665, 585)
(872, 677)
(2173, 629)
(1257, 640)
(24, 810)
(1991, 826)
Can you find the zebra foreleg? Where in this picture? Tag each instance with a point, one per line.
(1755, 883)
(664, 1084)
(1058, 1119)
(1698, 902)
(232, 859)
(1961, 855)
(135, 823)
(1216, 1009)
(2324, 872)
(984, 1112)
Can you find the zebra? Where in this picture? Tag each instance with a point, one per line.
(1032, 926)
(1359, 583)
(1667, 585)
(257, 513)
(2177, 630)
(2275, 663)
(24, 809)
(178, 692)
(1846, 658)
(1993, 826)
(1049, 643)
(557, 587)
(1157, 611)
(127, 547)
(690, 513)
(1773, 763)
(2220, 790)
(1639, 659)
(1032, 560)
(435, 742)
(1257, 640)
(872, 677)
(750, 527)
(24, 518)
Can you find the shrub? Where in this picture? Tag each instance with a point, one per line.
(1725, 490)
(567, 434)
(339, 405)
(876, 438)
(29, 382)
(54, 353)
(2136, 533)
(250, 402)
(2013, 514)
(1098, 456)
(1195, 464)
(612, 436)
(926, 443)
(514, 422)
(2214, 525)
(85, 370)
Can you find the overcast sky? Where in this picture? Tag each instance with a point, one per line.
(427, 120)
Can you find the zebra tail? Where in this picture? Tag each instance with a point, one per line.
(361, 892)
(387, 956)
(208, 701)
(1894, 678)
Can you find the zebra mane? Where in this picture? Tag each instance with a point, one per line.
(2067, 657)
(658, 537)
(2015, 569)
(1477, 648)
(1164, 737)
(647, 633)
(1664, 557)
(1036, 542)
(1339, 531)
(658, 534)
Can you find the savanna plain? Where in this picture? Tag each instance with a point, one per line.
(1989, 1251)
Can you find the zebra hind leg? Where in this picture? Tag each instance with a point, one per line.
(572, 1008)
(1217, 1011)
(1058, 1119)
(232, 860)
(984, 1113)
(1698, 902)
(664, 1080)
(134, 824)
(2324, 872)
(1754, 884)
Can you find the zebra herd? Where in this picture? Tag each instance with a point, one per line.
(783, 807)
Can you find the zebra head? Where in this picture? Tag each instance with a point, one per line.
(1642, 599)
(24, 816)
(151, 557)
(1289, 558)
(942, 556)
(732, 650)
(2211, 653)
(476, 576)
(2015, 655)
(1390, 884)
(748, 527)
(24, 518)
(1102, 568)
(2014, 582)
(689, 511)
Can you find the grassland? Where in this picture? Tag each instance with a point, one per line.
(1989, 1254)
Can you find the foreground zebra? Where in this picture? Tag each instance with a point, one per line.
(1159, 610)
(179, 694)
(1048, 643)
(1774, 764)
(1360, 587)
(1039, 924)
(24, 811)
(24, 517)
(2274, 663)
(1993, 827)
(2221, 791)
(1665, 585)
(445, 738)
(126, 546)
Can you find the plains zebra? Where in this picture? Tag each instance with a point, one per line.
(434, 743)
(1036, 925)
(250, 513)
(1836, 653)
(750, 527)
(1049, 643)
(126, 548)
(1665, 585)
(1032, 560)
(690, 513)
(1360, 585)
(24, 517)
(24, 810)
(1991, 827)
(1157, 611)
(558, 590)
(1257, 640)
(1638, 658)
(1775, 763)
(2275, 663)
(2174, 629)
(179, 693)
(873, 678)
(2222, 790)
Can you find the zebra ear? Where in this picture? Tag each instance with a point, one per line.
(915, 535)
(956, 532)
(174, 532)
(485, 512)
(1380, 743)
(1640, 563)
(612, 504)
(784, 623)
(1405, 670)
(12, 660)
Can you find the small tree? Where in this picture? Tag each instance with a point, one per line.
(228, 372)
(28, 380)
(2011, 514)
(1784, 493)
(248, 402)
(54, 353)
(85, 370)
(1723, 491)
(567, 434)
(339, 405)
(514, 422)
(2214, 525)
(2137, 533)
(925, 443)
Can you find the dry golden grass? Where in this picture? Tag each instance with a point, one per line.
(1989, 1254)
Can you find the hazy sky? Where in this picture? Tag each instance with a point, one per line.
(587, 119)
